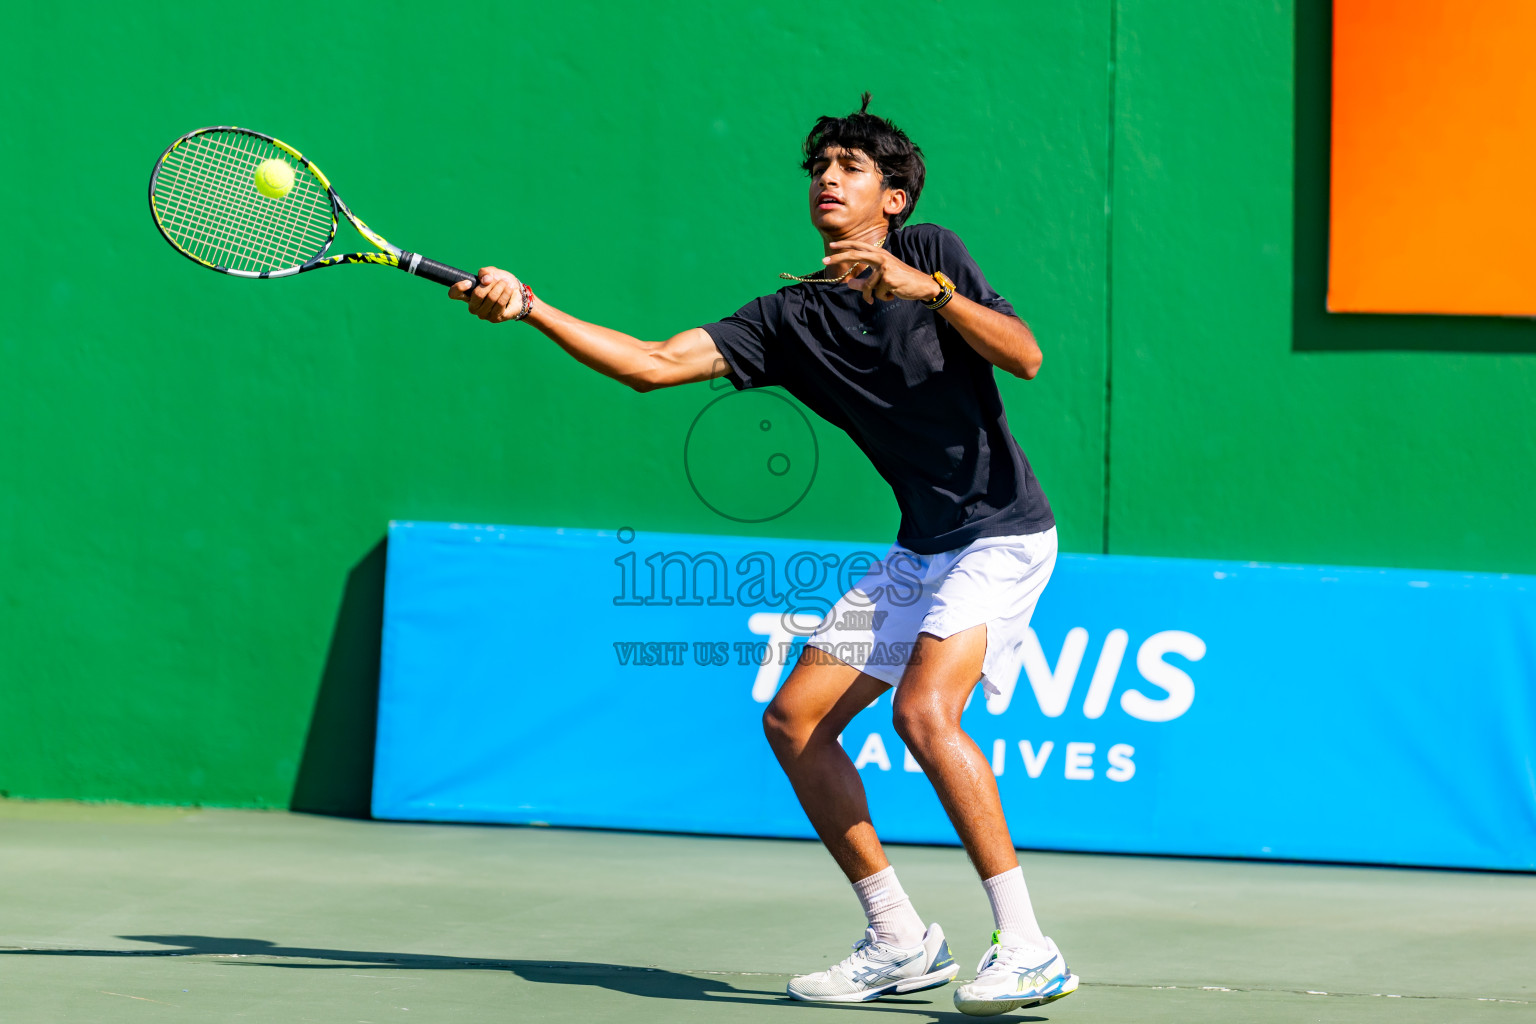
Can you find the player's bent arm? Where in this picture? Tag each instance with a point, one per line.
(1004, 341)
(643, 365)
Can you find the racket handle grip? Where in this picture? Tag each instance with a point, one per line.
(442, 273)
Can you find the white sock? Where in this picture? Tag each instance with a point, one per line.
(889, 909)
(1011, 908)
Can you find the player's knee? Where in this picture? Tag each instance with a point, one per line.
(919, 724)
(789, 730)
(781, 728)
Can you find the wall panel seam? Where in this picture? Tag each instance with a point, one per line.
(1109, 268)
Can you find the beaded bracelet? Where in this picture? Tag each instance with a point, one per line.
(527, 303)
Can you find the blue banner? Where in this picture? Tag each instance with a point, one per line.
(1172, 706)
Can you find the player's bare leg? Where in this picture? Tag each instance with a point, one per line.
(802, 723)
(938, 680)
(897, 954)
(1023, 967)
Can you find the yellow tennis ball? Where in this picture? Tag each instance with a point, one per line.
(274, 178)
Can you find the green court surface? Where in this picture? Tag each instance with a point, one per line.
(123, 914)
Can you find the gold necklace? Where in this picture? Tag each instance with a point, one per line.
(827, 280)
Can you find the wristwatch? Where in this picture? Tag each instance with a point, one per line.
(947, 292)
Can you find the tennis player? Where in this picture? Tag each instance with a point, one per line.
(895, 341)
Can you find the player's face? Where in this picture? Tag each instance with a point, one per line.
(848, 193)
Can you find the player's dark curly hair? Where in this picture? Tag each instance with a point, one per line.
(899, 160)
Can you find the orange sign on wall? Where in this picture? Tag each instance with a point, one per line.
(1433, 196)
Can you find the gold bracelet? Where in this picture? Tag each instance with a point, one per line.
(946, 292)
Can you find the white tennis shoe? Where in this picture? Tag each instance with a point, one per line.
(1012, 976)
(876, 969)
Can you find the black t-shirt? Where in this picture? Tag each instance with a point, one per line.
(909, 390)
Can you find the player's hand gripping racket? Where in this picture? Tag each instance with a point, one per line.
(233, 200)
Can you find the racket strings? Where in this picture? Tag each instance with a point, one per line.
(218, 213)
(221, 219)
(287, 225)
(216, 216)
(208, 203)
(281, 235)
(270, 233)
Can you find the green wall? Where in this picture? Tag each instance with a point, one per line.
(196, 472)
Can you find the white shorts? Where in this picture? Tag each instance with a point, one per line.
(994, 580)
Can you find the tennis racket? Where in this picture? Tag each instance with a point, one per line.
(205, 199)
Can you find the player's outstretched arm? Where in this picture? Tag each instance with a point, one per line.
(643, 365)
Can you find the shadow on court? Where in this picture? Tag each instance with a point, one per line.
(646, 982)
